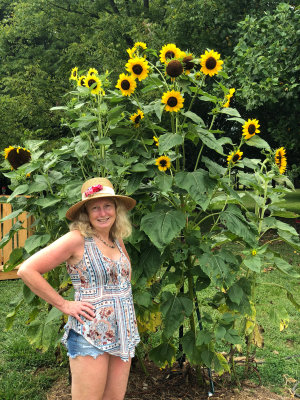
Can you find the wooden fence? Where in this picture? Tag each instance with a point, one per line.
(17, 240)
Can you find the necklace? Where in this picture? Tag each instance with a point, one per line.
(112, 246)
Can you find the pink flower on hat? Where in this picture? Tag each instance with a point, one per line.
(93, 189)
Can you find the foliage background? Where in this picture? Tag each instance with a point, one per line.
(40, 41)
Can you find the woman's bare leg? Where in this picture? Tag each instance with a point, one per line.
(89, 376)
(117, 378)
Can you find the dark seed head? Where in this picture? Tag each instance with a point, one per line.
(137, 69)
(172, 101)
(169, 54)
(211, 63)
(188, 63)
(174, 68)
(125, 84)
(251, 129)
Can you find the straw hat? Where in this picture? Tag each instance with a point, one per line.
(97, 188)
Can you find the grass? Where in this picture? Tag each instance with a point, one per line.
(25, 373)
(28, 374)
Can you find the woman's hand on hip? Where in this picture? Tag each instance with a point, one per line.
(79, 309)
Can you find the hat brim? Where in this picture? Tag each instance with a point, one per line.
(128, 202)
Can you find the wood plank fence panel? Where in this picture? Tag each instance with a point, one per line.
(18, 239)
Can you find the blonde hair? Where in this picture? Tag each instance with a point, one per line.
(121, 228)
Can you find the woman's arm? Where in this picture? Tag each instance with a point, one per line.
(47, 259)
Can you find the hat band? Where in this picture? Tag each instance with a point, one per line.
(96, 190)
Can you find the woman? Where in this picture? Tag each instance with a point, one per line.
(101, 332)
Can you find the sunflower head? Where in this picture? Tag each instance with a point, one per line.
(234, 157)
(92, 71)
(81, 80)
(173, 101)
(280, 160)
(228, 97)
(138, 67)
(74, 74)
(17, 156)
(174, 68)
(131, 52)
(210, 63)
(156, 141)
(250, 128)
(93, 83)
(126, 84)
(168, 52)
(141, 45)
(136, 118)
(163, 163)
(188, 63)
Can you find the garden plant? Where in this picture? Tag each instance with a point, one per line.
(165, 133)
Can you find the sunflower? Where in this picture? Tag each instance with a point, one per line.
(250, 128)
(280, 160)
(156, 141)
(93, 81)
(142, 45)
(126, 84)
(168, 52)
(210, 63)
(163, 163)
(173, 101)
(131, 52)
(188, 63)
(17, 156)
(74, 75)
(228, 97)
(136, 118)
(234, 156)
(81, 80)
(92, 71)
(138, 67)
(174, 68)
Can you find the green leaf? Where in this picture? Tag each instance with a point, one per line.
(53, 315)
(190, 349)
(163, 182)
(139, 167)
(143, 298)
(37, 187)
(47, 201)
(198, 184)
(82, 148)
(10, 317)
(285, 267)
(233, 337)
(257, 141)
(230, 111)
(209, 140)
(253, 263)
(237, 224)
(220, 332)
(150, 260)
(19, 190)
(15, 258)
(162, 226)
(163, 354)
(134, 182)
(220, 364)
(15, 228)
(105, 141)
(194, 117)
(168, 141)
(203, 337)
(35, 241)
(235, 293)
(14, 214)
(174, 309)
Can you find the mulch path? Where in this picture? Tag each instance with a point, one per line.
(175, 384)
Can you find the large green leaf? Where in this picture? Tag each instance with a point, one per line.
(190, 348)
(47, 201)
(163, 182)
(253, 263)
(150, 260)
(198, 184)
(15, 228)
(236, 223)
(82, 148)
(163, 226)
(175, 309)
(285, 267)
(168, 141)
(12, 215)
(257, 141)
(163, 354)
(37, 187)
(194, 117)
(209, 140)
(19, 190)
(36, 241)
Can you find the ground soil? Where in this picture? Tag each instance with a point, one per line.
(176, 384)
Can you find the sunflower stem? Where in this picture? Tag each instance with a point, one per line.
(199, 155)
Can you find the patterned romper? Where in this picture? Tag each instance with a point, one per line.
(105, 283)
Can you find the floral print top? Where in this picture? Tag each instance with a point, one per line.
(106, 284)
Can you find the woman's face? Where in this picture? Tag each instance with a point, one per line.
(102, 213)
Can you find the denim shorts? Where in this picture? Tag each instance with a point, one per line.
(78, 346)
